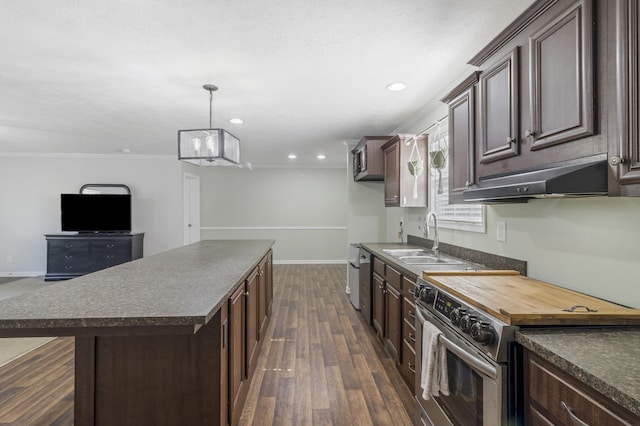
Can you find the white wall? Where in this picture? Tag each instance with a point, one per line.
(591, 245)
(365, 207)
(304, 210)
(30, 188)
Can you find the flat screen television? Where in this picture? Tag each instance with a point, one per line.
(96, 212)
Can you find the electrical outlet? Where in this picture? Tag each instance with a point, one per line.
(501, 231)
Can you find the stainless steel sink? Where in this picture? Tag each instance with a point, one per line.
(429, 260)
(404, 252)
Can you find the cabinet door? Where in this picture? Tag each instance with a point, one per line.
(392, 175)
(224, 364)
(393, 321)
(252, 321)
(462, 145)
(269, 281)
(561, 77)
(378, 304)
(236, 351)
(499, 110)
(626, 156)
(262, 297)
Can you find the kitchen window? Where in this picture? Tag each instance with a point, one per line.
(466, 217)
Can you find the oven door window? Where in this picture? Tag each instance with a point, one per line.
(463, 406)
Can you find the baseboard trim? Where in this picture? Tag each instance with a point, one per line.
(22, 274)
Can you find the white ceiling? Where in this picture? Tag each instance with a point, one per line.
(96, 76)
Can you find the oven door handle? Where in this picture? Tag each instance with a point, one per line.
(478, 365)
(483, 367)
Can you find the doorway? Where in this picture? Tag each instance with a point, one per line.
(191, 213)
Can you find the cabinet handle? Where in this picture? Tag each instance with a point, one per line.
(68, 267)
(68, 256)
(68, 245)
(109, 245)
(411, 367)
(529, 133)
(110, 256)
(412, 337)
(412, 314)
(510, 139)
(246, 294)
(574, 419)
(614, 161)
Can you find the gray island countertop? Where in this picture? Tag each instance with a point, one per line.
(605, 359)
(179, 287)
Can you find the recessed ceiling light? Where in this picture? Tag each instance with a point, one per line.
(396, 87)
(292, 156)
(236, 121)
(321, 157)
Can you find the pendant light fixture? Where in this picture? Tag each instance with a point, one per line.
(208, 147)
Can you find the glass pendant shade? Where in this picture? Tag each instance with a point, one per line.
(208, 147)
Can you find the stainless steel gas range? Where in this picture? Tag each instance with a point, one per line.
(481, 359)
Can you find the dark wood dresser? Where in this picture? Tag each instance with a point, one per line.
(71, 255)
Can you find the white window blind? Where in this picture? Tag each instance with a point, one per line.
(469, 217)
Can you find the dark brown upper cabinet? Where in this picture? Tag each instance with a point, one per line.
(405, 177)
(499, 109)
(462, 105)
(537, 98)
(368, 161)
(561, 72)
(624, 152)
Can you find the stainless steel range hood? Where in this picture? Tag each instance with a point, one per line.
(587, 178)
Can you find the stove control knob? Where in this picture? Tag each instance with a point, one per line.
(482, 332)
(456, 315)
(427, 295)
(467, 321)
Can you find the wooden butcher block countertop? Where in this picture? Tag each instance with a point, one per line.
(520, 300)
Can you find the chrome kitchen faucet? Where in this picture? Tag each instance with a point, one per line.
(436, 240)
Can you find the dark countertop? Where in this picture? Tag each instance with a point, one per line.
(605, 359)
(180, 287)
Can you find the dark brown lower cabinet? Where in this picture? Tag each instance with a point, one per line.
(393, 321)
(553, 397)
(224, 363)
(249, 308)
(237, 339)
(378, 305)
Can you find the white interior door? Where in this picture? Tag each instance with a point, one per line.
(191, 214)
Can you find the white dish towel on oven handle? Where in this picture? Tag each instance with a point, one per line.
(434, 379)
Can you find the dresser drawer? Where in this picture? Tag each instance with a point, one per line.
(62, 247)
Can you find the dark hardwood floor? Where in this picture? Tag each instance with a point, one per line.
(319, 365)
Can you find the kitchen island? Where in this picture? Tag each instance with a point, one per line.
(151, 335)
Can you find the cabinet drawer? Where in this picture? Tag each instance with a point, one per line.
(409, 333)
(549, 388)
(409, 311)
(394, 278)
(408, 365)
(378, 266)
(408, 285)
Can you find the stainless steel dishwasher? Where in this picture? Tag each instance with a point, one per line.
(365, 284)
